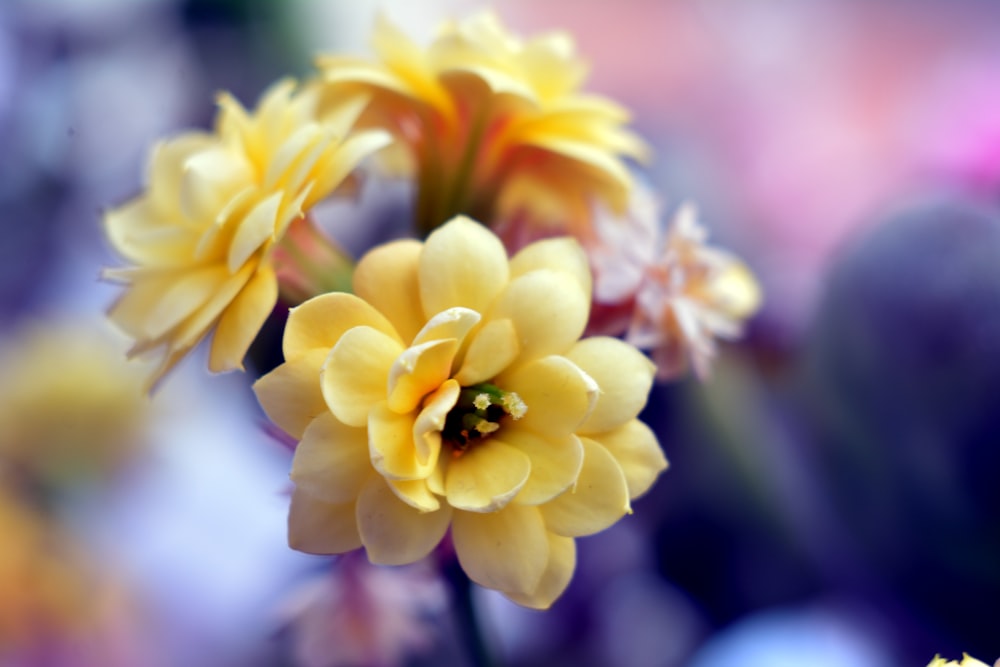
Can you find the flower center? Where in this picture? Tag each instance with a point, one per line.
(478, 413)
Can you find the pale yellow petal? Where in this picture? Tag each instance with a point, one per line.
(188, 293)
(254, 230)
(462, 264)
(624, 375)
(418, 371)
(549, 310)
(557, 575)
(555, 462)
(356, 371)
(454, 323)
(386, 277)
(321, 321)
(139, 234)
(391, 445)
(242, 321)
(493, 348)
(291, 395)
(506, 550)
(430, 422)
(393, 532)
(637, 451)
(558, 395)
(599, 498)
(331, 463)
(559, 254)
(415, 493)
(345, 159)
(486, 476)
(316, 527)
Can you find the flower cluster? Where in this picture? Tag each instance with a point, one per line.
(490, 125)
(439, 389)
(452, 392)
(967, 661)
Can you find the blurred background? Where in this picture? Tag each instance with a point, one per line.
(832, 497)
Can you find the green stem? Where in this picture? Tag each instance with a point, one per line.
(469, 623)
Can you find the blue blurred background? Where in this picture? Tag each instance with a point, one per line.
(832, 497)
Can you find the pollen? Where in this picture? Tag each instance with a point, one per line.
(513, 405)
(482, 401)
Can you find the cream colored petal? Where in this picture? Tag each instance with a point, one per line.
(391, 445)
(549, 310)
(322, 320)
(453, 323)
(345, 159)
(386, 277)
(291, 394)
(184, 297)
(557, 575)
(506, 550)
(254, 230)
(558, 395)
(624, 375)
(415, 493)
(316, 527)
(430, 422)
(486, 477)
(462, 264)
(418, 371)
(393, 532)
(138, 233)
(493, 348)
(555, 463)
(354, 376)
(331, 463)
(559, 254)
(598, 500)
(637, 451)
(242, 321)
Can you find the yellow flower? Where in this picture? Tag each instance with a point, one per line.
(491, 125)
(201, 236)
(967, 661)
(453, 391)
(70, 405)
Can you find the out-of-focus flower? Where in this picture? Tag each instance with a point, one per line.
(361, 614)
(492, 126)
(201, 236)
(453, 390)
(677, 294)
(56, 606)
(71, 407)
(967, 661)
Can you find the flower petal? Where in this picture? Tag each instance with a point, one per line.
(492, 349)
(254, 230)
(242, 321)
(430, 422)
(506, 550)
(557, 575)
(637, 451)
(291, 394)
(415, 493)
(386, 277)
(391, 445)
(549, 310)
(624, 374)
(558, 395)
(331, 463)
(321, 321)
(451, 323)
(555, 463)
(462, 264)
(418, 371)
(598, 500)
(356, 371)
(486, 476)
(560, 254)
(393, 532)
(316, 527)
